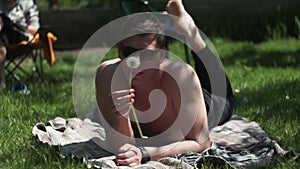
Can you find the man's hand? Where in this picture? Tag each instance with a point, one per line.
(32, 30)
(129, 155)
(123, 100)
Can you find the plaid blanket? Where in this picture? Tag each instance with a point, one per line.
(239, 143)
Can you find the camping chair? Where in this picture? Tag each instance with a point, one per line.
(41, 46)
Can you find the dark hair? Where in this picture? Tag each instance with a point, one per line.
(142, 24)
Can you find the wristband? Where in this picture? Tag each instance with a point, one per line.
(145, 155)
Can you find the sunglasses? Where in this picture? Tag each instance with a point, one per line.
(145, 54)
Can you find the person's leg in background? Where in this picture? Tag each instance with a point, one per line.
(3, 52)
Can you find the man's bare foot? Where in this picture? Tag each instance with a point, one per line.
(185, 23)
(175, 7)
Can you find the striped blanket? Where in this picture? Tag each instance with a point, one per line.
(239, 143)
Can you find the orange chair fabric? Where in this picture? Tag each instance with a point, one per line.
(46, 44)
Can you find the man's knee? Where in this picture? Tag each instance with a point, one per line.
(1, 24)
(3, 53)
(2, 46)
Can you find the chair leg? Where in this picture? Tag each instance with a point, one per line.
(37, 64)
(17, 65)
(37, 69)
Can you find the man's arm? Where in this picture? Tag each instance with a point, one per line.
(192, 120)
(192, 115)
(115, 119)
(197, 137)
(32, 16)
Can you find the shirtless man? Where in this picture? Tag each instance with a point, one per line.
(181, 125)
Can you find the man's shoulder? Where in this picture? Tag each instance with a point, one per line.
(170, 66)
(179, 71)
(108, 66)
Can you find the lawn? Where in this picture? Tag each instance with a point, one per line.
(264, 76)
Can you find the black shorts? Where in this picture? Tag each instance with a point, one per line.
(219, 109)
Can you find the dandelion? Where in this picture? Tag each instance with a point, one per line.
(133, 63)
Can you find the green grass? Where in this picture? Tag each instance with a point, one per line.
(265, 77)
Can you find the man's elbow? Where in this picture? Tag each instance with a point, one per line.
(203, 145)
(207, 144)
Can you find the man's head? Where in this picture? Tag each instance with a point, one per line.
(142, 38)
(141, 31)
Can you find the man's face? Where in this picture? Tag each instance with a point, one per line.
(145, 41)
(144, 47)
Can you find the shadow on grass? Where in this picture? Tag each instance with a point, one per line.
(44, 156)
(276, 108)
(274, 97)
(49, 96)
(250, 56)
